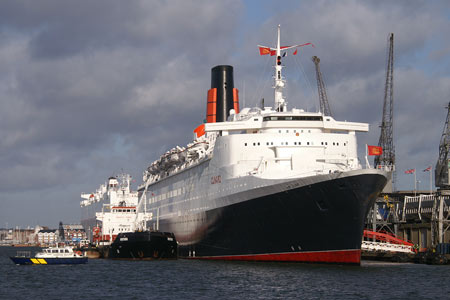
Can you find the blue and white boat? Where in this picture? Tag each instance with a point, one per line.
(50, 256)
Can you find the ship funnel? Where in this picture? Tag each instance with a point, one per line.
(222, 97)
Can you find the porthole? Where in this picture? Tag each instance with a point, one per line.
(245, 144)
(307, 143)
(254, 144)
(258, 144)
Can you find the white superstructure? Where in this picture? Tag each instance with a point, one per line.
(111, 209)
(269, 143)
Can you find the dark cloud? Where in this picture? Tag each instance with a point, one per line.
(89, 88)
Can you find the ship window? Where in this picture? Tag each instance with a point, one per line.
(282, 143)
(309, 131)
(287, 131)
(279, 131)
(287, 143)
(271, 143)
(337, 144)
(258, 144)
(345, 144)
(295, 143)
(321, 143)
(245, 144)
(254, 144)
(326, 143)
(66, 251)
(302, 130)
(267, 143)
(295, 131)
(307, 143)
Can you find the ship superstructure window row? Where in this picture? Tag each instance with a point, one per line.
(292, 118)
(295, 144)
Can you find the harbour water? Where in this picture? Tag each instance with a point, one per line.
(194, 279)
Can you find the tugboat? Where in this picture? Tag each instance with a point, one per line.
(50, 256)
(144, 245)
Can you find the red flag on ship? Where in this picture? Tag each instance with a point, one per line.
(410, 171)
(427, 169)
(264, 51)
(374, 150)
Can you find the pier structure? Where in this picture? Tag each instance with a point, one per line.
(423, 219)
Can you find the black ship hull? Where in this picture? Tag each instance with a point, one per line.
(143, 245)
(321, 222)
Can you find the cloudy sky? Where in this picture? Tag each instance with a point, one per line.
(89, 89)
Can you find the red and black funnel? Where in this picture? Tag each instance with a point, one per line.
(222, 96)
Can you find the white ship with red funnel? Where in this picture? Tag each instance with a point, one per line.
(264, 184)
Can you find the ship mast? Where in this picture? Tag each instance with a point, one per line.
(280, 103)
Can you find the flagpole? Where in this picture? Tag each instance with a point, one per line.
(367, 160)
(415, 183)
(431, 180)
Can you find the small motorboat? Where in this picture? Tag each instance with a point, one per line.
(50, 256)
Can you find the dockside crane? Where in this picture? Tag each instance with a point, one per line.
(387, 159)
(323, 99)
(442, 166)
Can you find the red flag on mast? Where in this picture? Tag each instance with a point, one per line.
(374, 150)
(264, 50)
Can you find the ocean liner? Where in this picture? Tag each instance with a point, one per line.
(263, 184)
